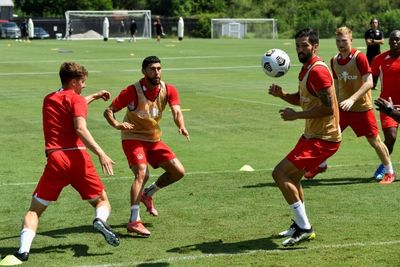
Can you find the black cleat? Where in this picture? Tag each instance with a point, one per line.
(22, 256)
(106, 231)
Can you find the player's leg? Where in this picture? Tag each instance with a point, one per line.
(85, 180)
(103, 209)
(135, 224)
(383, 154)
(287, 177)
(29, 226)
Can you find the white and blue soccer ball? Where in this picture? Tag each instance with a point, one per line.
(275, 62)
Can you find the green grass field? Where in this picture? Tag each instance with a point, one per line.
(217, 215)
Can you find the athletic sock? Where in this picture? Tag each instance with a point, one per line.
(151, 190)
(26, 239)
(323, 164)
(135, 216)
(102, 213)
(389, 168)
(300, 215)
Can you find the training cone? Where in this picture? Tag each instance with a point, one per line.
(246, 168)
(10, 260)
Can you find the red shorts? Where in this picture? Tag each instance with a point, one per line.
(387, 121)
(362, 123)
(141, 152)
(73, 167)
(309, 153)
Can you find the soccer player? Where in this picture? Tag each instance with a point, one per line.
(68, 163)
(159, 28)
(386, 66)
(145, 102)
(321, 138)
(353, 81)
(373, 39)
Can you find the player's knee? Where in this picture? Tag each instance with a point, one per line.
(276, 175)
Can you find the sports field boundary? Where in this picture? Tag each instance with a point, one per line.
(251, 252)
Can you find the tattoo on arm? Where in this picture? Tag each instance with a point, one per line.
(325, 98)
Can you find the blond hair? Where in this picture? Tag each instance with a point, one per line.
(344, 31)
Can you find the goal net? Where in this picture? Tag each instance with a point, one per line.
(244, 28)
(89, 24)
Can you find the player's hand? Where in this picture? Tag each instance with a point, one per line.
(105, 95)
(288, 114)
(185, 133)
(385, 106)
(275, 90)
(123, 126)
(346, 104)
(106, 164)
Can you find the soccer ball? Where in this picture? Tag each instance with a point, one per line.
(275, 62)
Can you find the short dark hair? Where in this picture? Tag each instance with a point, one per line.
(72, 70)
(150, 60)
(310, 33)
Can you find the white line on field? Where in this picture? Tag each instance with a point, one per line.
(259, 251)
(239, 99)
(121, 59)
(196, 173)
(137, 70)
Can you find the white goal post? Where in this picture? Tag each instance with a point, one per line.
(82, 25)
(244, 28)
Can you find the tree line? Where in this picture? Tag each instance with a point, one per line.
(322, 15)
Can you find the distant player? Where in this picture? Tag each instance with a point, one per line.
(373, 39)
(321, 138)
(68, 163)
(386, 66)
(132, 30)
(145, 102)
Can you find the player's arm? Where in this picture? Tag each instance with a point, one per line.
(326, 108)
(105, 95)
(367, 84)
(87, 138)
(109, 114)
(277, 91)
(177, 115)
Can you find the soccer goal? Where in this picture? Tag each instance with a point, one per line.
(82, 25)
(244, 28)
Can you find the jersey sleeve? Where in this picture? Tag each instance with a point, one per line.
(319, 78)
(79, 106)
(375, 65)
(362, 64)
(173, 96)
(125, 97)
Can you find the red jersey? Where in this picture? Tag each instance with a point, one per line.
(388, 70)
(59, 110)
(128, 96)
(319, 77)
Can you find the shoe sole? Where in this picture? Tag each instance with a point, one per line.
(311, 237)
(111, 238)
(138, 233)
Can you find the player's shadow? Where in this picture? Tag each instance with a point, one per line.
(64, 232)
(321, 182)
(79, 250)
(220, 247)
